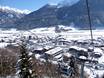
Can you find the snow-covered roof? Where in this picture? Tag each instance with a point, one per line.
(98, 50)
(78, 48)
(48, 47)
(83, 57)
(53, 51)
(37, 56)
(101, 60)
(30, 53)
(58, 56)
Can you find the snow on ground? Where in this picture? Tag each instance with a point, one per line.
(98, 50)
(2, 45)
(42, 33)
(93, 73)
(71, 34)
(44, 30)
(37, 56)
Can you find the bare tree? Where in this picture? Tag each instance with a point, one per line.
(8, 61)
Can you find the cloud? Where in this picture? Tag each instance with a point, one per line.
(15, 10)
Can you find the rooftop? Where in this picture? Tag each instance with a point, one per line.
(54, 50)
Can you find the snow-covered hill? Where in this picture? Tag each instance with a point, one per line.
(9, 15)
(7, 8)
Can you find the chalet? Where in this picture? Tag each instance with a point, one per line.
(78, 51)
(62, 42)
(54, 53)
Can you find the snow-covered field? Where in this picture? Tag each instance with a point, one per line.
(73, 34)
(70, 34)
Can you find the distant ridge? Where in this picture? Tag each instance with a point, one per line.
(7, 8)
(9, 15)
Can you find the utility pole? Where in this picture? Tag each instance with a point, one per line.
(82, 70)
(89, 21)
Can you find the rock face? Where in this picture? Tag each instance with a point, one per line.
(53, 15)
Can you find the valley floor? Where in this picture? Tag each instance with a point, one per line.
(47, 38)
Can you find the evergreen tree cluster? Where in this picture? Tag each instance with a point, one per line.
(24, 63)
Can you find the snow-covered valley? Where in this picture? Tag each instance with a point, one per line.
(40, 38)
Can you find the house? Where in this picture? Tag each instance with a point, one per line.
(78, 51)
(54, 53)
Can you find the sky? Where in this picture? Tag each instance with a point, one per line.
(31, 5)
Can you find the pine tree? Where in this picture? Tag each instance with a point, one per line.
(24, 63)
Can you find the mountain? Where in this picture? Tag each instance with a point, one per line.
(78, 14)
(64, 14)
(45, 16)
(9, 15)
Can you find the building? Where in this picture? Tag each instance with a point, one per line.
(54, 54)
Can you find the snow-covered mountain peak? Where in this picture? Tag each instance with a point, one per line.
(7, 8)
(52, 4)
